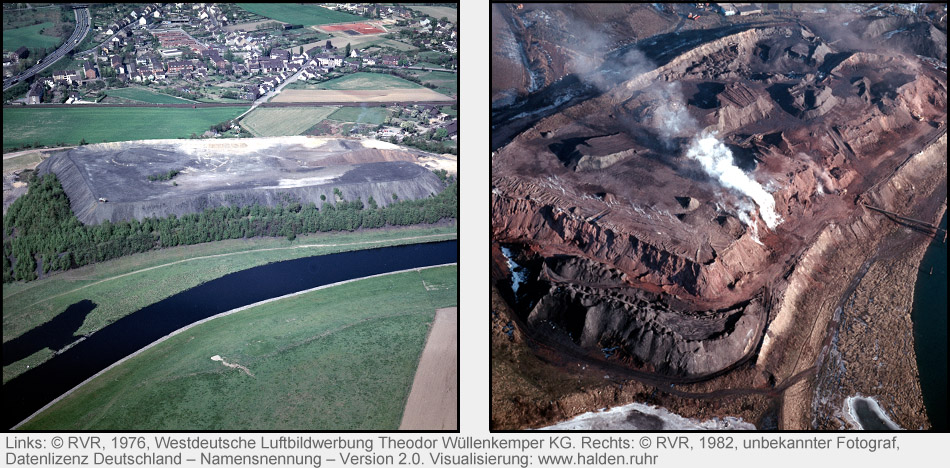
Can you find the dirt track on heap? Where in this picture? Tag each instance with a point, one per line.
(433, 400)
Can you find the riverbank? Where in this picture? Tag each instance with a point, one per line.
(871, 350)
(116, 286)
(874, 351)
(368, 355)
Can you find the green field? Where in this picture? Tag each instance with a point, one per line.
(284, 121)
(307, 15)
(95, 125)
(144, 95)
(364, 80)
(339, 358)
(398, 45)
(29, 37)
(367, 115)
(446, 82)
(116, 285)
(438, 12)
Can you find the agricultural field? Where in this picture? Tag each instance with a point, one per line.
(360, 95)
(144, 95)
(364, 80)
(115, 285)
(70, 125)
(398, 45)
(284, 121)
(446, 82)
(438, 12)
(307, 15)
(29, 37)
(366, 115)
(367, 336)
(36, 27)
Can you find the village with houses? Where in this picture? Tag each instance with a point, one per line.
(362, 70)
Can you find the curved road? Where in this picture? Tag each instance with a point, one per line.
(83, 24)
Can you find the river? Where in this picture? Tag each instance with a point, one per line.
(930, 330)
(30, 391)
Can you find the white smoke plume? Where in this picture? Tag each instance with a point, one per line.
(668, 115)
(716, 159)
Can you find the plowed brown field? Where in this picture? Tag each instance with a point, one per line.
(433, 400)
(359, 95)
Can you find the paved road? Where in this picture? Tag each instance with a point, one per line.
(106, 41)
(263, 99)
(34, 150)
(83, 24)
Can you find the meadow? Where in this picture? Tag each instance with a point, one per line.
(447, 82)
(115, 285)
(144, 95)
(307, 15)
(284, 121)
(47, 126)
(366, 115)
(364, 80)
(29, 37)
(338, 358)
(438, 12)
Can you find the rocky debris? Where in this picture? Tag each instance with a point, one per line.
(654, 332)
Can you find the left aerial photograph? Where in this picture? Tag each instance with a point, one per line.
(230, 216)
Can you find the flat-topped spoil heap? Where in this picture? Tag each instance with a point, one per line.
(157, 178)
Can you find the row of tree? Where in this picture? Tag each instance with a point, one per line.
(41, 233)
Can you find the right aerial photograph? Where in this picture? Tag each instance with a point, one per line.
(718, 216)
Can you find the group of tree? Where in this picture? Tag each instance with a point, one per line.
(427, 143)
(164, 175)
(41, 233)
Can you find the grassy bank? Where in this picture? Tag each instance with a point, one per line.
(116, 286)
(334, 359)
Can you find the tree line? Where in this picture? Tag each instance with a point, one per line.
(42, 233)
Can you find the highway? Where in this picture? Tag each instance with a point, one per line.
(83, 24)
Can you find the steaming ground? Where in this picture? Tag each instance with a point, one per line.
(717, 161)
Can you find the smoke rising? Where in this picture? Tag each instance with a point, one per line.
(716, 159)
(668, 114)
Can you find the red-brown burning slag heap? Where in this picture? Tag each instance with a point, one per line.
(664, 188)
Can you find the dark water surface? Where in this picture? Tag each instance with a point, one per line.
(869, 419)
(930, 330)
(27, 393)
